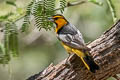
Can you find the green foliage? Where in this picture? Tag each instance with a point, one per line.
(10, 46)
(2, 56)
(27, 17)
(12, 39)
(5, 17)
(62, 5)
(40, 10)
(11, 3)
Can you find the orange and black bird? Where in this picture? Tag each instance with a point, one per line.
(72, 40)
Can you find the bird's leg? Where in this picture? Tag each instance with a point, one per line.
(67, 58)
(67, 62)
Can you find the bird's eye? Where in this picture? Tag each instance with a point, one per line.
(56, 18)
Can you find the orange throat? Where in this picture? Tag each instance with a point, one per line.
(59, 24)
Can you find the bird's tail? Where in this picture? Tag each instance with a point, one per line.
(87, 60)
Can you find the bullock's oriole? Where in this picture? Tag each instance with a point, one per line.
(72, 40)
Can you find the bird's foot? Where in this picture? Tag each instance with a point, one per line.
(67, 63)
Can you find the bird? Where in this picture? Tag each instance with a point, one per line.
(72, 40)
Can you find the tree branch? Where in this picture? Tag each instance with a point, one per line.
(105, 51)
(69, 4)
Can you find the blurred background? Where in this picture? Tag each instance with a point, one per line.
(38, 49)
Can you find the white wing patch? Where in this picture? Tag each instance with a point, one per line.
(72, 40)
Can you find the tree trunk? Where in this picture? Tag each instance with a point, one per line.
(106, 53)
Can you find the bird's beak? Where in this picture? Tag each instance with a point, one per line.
(51, 19)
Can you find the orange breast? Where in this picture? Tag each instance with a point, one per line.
(60, 23)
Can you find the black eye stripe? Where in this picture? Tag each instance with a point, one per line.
(56, 18)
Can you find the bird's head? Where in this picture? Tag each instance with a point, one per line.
(59, 20)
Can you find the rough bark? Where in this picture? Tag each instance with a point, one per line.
(106, 53)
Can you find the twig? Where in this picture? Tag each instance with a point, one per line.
(112, 9)
(69, 4)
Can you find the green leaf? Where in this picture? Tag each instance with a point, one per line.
(1, 53)
(11, 3)
(13, 40)
(25, 27)
(5, 17)
(40, 10)
(10, 42)
(62, 5)
(26, 22)
(6, 58)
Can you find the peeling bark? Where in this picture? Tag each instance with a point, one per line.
(105, 51)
